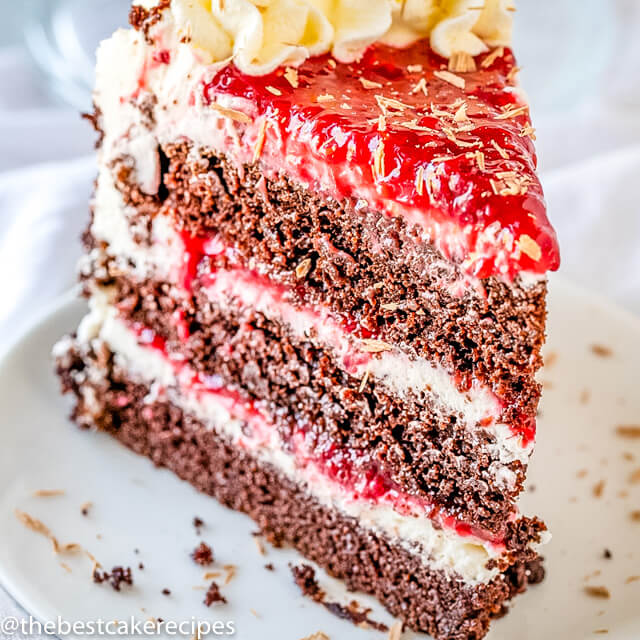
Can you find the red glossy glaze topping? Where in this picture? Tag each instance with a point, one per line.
(458, 161)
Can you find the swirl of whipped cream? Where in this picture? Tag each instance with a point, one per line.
(261, 35)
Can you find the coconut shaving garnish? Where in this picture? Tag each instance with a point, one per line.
(382, 122)
(492, 57)
(528, 132)
(415, 68)
(414, 126)
(369, 84)
(325, 97)
(303, 268)
(375, 346)
(39, 527)
(318, 635)
(392, 104)
(262, 131)
(421, 85)
(461, 114)
(238, 116)
(363, 382)
(500, 150)
(631, 431)
(230, 570)
(396, 631)
(513, 73)
(291, 75)
(378, 160)
(529, 247)
(451, 78)
(462, 62)
(420, 180)
(48, 493)
(273, 90)
(478, 156)
(597, 592)
(512, 112)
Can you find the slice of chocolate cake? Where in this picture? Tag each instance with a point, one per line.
(316, 269)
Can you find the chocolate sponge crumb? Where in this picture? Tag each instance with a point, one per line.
(213, 595)
(203, 555)
(304, 577)
(117, 577)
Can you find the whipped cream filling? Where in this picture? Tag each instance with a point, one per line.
(262, 35)
(462, 557)
(163, 258)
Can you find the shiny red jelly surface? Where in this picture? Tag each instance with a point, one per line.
(412, 141)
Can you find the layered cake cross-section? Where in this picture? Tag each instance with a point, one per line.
(316, 275)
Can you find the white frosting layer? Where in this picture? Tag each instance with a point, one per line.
(442, 549)
(261, 35)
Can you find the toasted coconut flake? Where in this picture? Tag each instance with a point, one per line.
(598, 489)
(500, 150)
(262, 131)
(451, 78)
(529, 247)
(597, 592)
(230, 570)
(378, 160)
(478, 156)
(39, 527)
(414, 68)
(461, 114)
(259, 545)
(421, 85)
(386, 104)
(66, 567)
(369, 84)
(332, 63)
(318, 635)
(395, 633)
(631, 431)
(291, 75)
(382, 122)
(375, 346)
(601, 351)
(302, 270)
(414, 126)
(325, 97)
(211, 575)
(634, 478)
(512, 112)
(513, 73)
(420, 180)
(364, 380)
(462, 62)
(631, 579)
(232, 114)
(273, 90)
(528, 132)
(48, 493)
(498, 52)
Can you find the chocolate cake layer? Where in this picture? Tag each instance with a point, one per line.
(427, 453)
(426, 600)
(372, 268)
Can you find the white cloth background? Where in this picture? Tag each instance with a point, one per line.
(590, 161)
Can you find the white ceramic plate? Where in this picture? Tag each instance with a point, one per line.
(138, 507)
